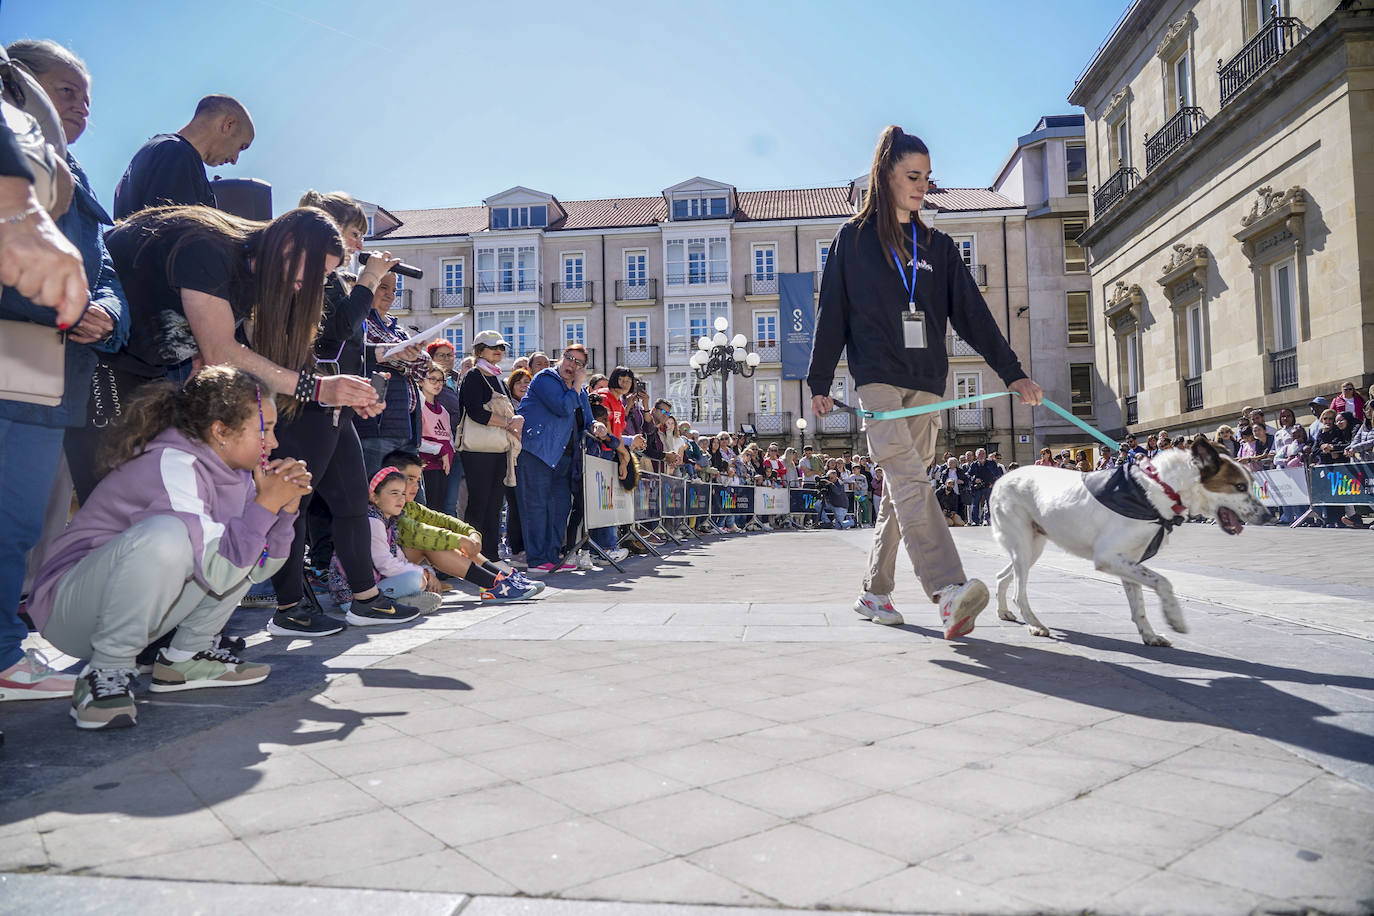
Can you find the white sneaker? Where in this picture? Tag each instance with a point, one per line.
(617, 553)
(427, 602)
(879, 609)
(959, 605)
(584, 561)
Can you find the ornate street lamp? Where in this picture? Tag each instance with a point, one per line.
(724, 356)
(801, 427)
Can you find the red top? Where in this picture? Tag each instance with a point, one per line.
(616, 410)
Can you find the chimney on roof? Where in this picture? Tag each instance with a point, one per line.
(931, 183)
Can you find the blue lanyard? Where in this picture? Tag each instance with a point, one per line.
(897, 259)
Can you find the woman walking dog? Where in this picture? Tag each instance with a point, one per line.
(891, 287)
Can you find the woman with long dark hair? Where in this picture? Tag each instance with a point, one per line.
(325, 439)
(891, 287)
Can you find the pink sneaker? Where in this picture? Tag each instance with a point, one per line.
(543, 569)
(32, 678)
(567, 567)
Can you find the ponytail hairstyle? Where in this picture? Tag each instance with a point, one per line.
(220, 393)
(285, 320)
(878, 208)
(346, 211)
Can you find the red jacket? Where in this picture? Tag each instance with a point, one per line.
(1341, 405)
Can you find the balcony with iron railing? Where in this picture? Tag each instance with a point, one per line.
(1132, 409)
(508, 285)
(837, 422)
(572, 292)
(637, 357)
(712, 277)
(642, 290)
(1170, 138)
(1114, 190)
(760, 285)
(775, 423)
(1192, 393)
(980, 274)
(454, 297)
(1284, 369)
(1274, 39)
(769, 351)
(402, 303)
(957, 346)
(968, 420)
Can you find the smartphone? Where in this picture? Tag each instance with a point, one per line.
(379, 383)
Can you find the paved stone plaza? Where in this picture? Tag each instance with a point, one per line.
(720, 728)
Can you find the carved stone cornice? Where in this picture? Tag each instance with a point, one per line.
(1116, 104)
(1174, 37)
(1274, 218)
(1185, 271)
(1124, 302)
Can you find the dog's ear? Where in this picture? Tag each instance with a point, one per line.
(631, 476)
(1206, 458)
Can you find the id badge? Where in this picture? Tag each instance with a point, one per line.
(914, 330)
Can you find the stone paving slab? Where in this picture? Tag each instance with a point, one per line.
(843, 765)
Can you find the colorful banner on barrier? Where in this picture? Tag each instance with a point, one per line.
(1282, 487)
(1341, 484)
(607, 502)
(732, 500)
(771, 501)
(647, 498)
(673, 492)
(805, 500)
(698, 498)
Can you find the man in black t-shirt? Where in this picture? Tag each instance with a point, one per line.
(170, 168)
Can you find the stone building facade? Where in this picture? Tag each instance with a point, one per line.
(1231, 236)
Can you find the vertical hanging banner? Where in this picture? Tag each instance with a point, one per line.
(797, 309)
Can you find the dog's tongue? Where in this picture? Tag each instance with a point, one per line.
(1230, 522)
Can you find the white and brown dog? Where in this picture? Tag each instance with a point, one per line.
(1118, 519)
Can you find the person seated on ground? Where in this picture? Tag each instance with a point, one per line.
(171, 538)
(396, 576)
(948, 498)
(449, 544)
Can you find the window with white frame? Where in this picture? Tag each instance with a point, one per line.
(1119, 144)
(1192, 344)
(1178, 88)
(636, 285)
(520, 328)
(508, 269)
(519, 217)
(1078, 319)
(637, 333)
(1283, 284)
(767, 396)
(1075, 258)
(700, 207)
(574, 273)
(454, 335)
(690, 321)
(765, 262)
(766, 336)
(964, 245)
(1081, 389)
(697, 262)
(696, 400)
(1076, 166)
(1131, 363)
(402, 302)
(451, 276)
(574, 331)
(822, 255)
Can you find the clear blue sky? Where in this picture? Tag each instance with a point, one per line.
(432, 103)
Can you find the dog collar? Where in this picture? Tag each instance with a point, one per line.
(1169, 492)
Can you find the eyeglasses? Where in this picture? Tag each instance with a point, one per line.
(579, 363)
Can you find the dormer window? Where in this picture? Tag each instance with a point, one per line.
(519, 217)
(700, 207)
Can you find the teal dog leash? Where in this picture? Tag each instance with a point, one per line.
(961, 402)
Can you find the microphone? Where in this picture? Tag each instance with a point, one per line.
(403, 269)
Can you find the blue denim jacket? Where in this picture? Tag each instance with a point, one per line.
(550, 411)
(83, 225)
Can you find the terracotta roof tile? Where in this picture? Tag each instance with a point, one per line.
(624, 212)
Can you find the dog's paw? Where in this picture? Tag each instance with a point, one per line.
(1177, 623)
(1158, 640)
(1006, 614)
(1039, 631)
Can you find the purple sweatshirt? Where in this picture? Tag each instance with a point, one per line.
(183, 478)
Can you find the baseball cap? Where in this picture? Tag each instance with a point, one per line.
(1319, 401)
(489, 339)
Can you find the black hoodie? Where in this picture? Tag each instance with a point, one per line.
(861, 305)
